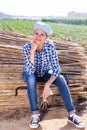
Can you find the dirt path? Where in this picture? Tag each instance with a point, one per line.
(54, 119)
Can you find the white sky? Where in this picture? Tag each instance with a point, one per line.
(42, 7)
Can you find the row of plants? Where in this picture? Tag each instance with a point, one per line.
(74, 21)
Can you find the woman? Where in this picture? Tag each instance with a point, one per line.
(41, 63)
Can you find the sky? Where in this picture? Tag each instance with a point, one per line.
(42, 7)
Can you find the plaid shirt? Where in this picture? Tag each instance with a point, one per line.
(44, 61)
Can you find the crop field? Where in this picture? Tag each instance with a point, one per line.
(61, 31)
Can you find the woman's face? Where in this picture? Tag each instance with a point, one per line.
(39, 36)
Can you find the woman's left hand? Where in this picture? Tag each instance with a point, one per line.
(46, 91)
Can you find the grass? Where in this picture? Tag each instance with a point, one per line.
(70, 32)
(61, 31)
(19, 26)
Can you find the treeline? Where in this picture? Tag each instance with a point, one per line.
(74, 21)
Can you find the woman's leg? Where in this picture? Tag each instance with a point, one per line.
(32, 91)
(60, 82)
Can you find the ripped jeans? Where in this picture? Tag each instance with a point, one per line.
(60, 82)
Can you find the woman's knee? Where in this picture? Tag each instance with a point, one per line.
(29, 79)
(60, 81)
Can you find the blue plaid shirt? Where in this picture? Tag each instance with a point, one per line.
(44, 61)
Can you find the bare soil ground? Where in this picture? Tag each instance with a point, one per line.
(54, 119)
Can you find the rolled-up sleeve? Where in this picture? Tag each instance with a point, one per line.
(28, 66)
(55, 62)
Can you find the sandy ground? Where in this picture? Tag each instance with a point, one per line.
(53, 119)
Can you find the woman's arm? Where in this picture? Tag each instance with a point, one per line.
(32, 52)
(55, 71)
(28, 66)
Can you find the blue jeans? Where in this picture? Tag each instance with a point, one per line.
(60, 82)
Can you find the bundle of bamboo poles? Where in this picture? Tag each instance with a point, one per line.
(73, 62)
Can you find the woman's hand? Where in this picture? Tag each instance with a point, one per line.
(46, 91)
(34, 46)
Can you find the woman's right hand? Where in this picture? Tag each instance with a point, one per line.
(34, 46)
